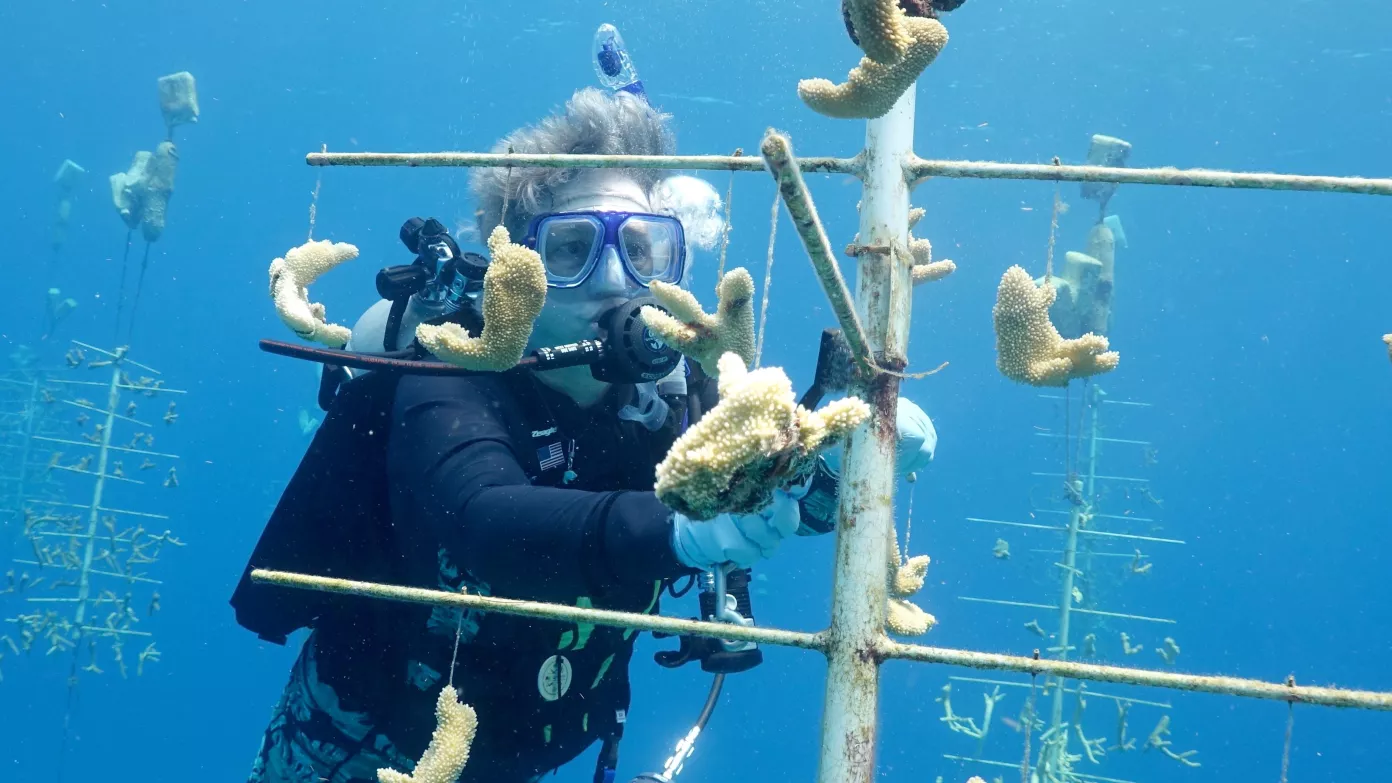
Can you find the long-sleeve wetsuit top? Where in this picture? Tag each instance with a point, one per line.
(503, 487)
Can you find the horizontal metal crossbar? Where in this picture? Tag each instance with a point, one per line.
(1196, 178)
(1088, 778)
(533, 161)
(916, 169)
(1231, 686)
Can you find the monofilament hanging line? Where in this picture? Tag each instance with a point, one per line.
(725, 230)
(507, 195)
(139, 286)
(768, 279)
(1053, 228)
(1029, 726)
(314, 200)
(1073, 451)
(1290, 727)
(1048, 280)
(121, 296)
(454, 656)
(908, 527)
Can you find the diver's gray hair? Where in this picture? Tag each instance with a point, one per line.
(594, 122)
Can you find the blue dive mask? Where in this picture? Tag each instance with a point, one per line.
(651, 247)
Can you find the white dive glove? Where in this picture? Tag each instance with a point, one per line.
(918, 440)
(742, 539)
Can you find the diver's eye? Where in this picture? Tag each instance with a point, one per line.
(566, 247)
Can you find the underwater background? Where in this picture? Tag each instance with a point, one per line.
(1248, 320)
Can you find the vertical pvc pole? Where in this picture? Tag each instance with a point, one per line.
(1070, 559)
(31, 416)
(866, 514)
(1087, 491)
(84, 583)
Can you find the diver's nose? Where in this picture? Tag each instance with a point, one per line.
(609, 278)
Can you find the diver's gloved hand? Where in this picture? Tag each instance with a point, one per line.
(918, 440)
(742, 539)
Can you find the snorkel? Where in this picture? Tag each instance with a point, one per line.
(612, 63)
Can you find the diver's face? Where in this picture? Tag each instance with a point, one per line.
(572, 314)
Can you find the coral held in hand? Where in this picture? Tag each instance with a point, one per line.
(706, 338)
(514, 290)
(754, 441)
(906, 578)
(290, 280)
(1028, 347)
(448, 752)
(872, 87)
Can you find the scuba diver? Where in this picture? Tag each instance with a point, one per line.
(528, 484)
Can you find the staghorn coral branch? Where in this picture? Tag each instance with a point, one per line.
(290, 278)
(1029, 349)
(448, 753)
(514, 291)
(872, 87)
(702, 337)
(755, 440)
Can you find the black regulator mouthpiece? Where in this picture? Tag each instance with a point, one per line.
(625, 351)
(632, 352)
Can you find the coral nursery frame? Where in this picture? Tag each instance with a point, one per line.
(876, 322)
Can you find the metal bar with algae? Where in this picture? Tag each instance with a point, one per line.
(1092, 672)
(484, 603)
(884, 648)
(558, 161)
(865, 513)
(787, 172)
(916, 168)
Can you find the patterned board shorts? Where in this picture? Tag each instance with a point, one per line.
(312, 739)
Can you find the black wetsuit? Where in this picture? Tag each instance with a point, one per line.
(499, 485)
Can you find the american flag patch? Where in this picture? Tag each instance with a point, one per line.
(552, 456)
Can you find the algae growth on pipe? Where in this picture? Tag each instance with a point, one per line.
(859, 599)
(917, 168)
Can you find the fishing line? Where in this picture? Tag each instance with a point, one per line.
(768, 279)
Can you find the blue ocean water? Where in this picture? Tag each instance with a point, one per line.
(1250, 321)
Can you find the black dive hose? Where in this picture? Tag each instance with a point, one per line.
(626, 352)
(687, 744)
(712, 698)
(575, 354)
